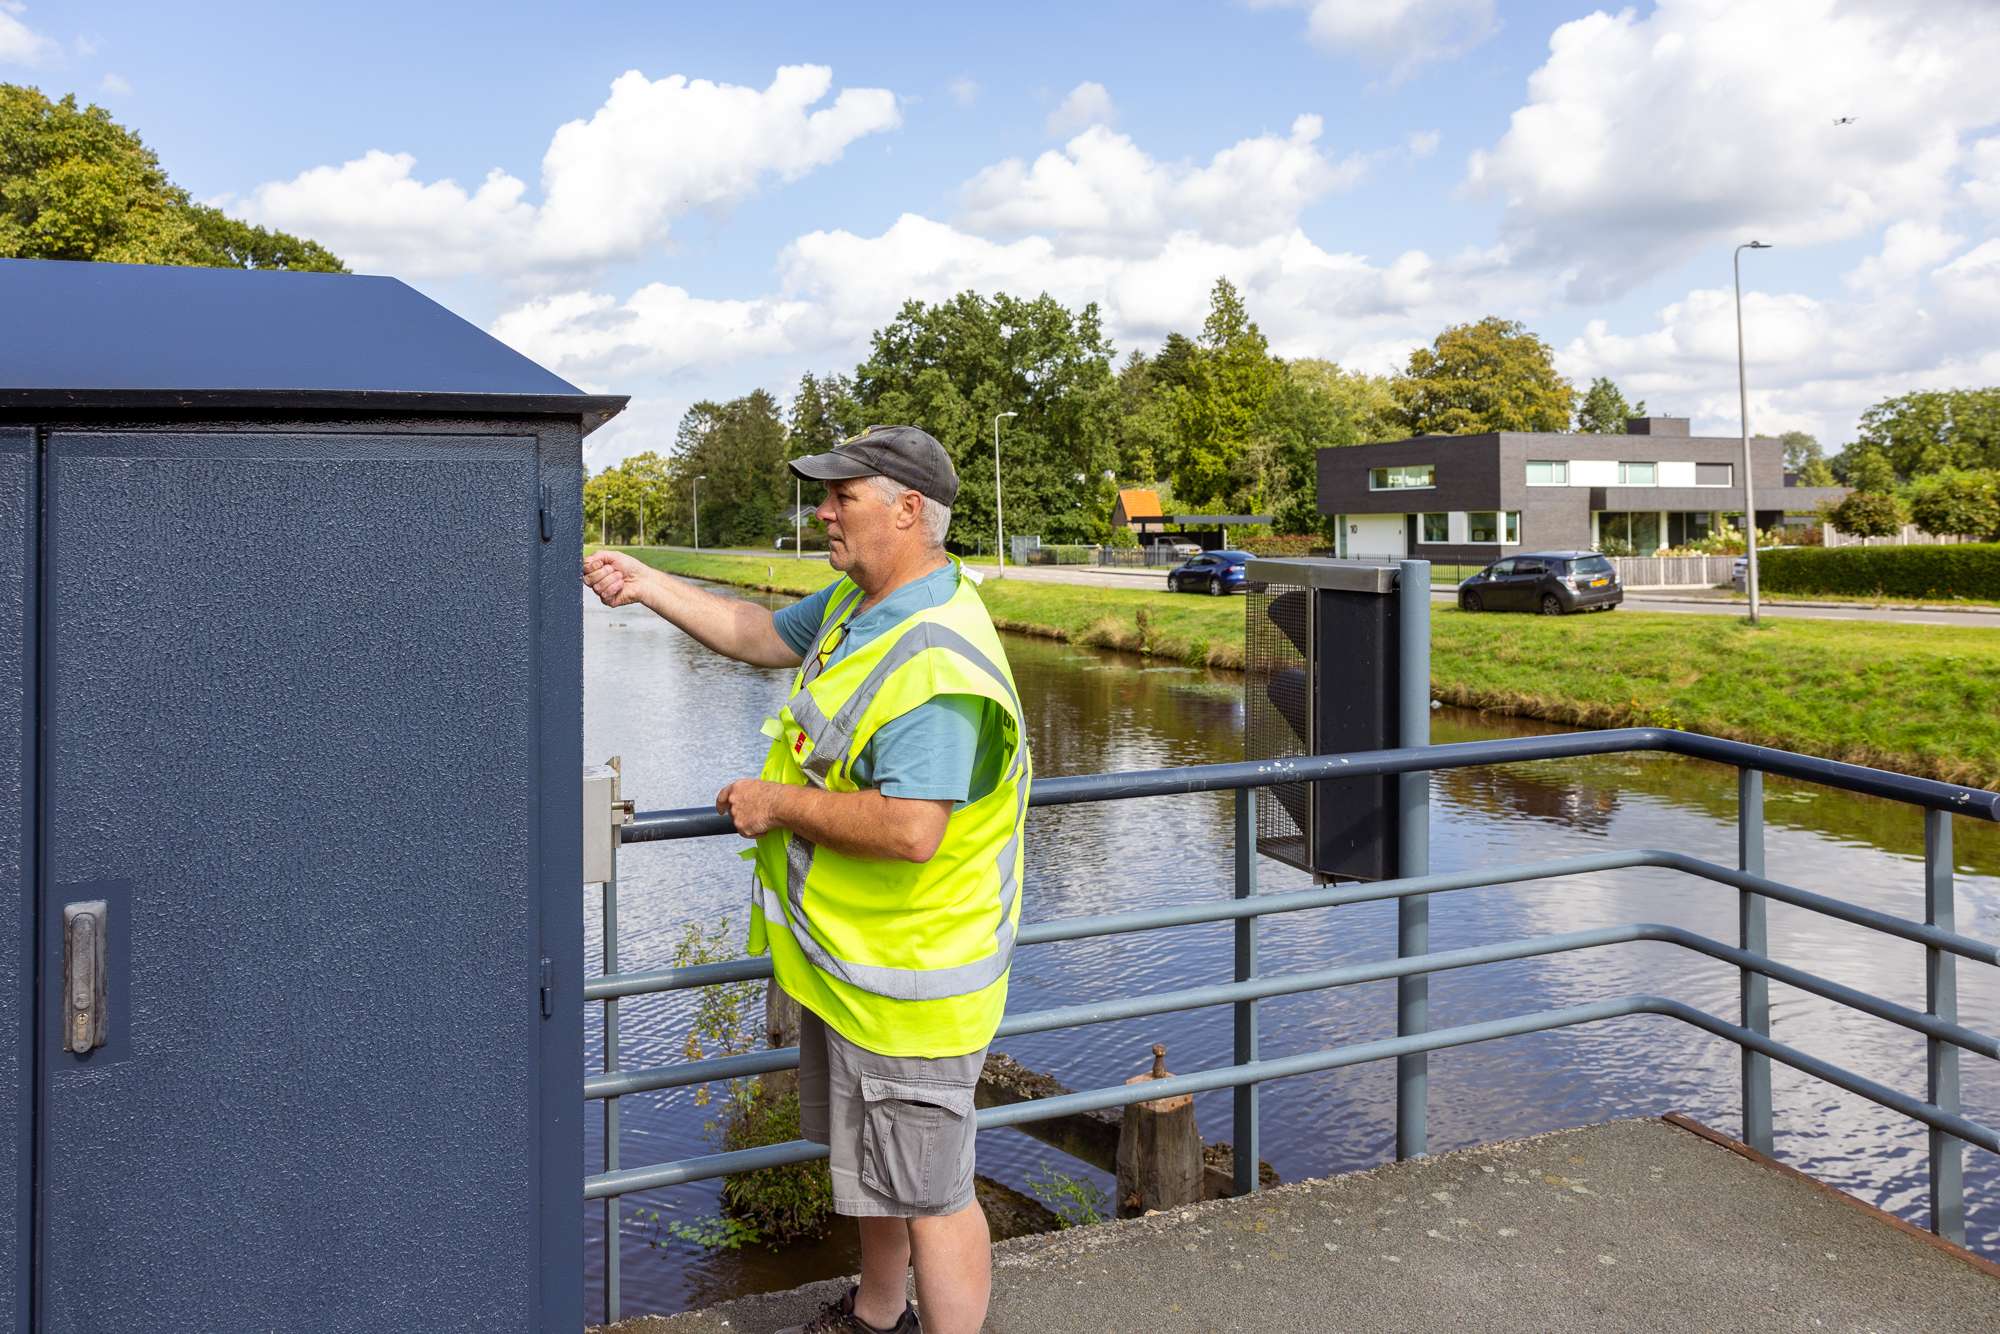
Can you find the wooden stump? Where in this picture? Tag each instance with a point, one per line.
(781, 1029)
(1159, 1149)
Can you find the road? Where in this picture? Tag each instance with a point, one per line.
(1678, 602)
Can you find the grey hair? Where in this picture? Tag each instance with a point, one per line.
(936, 518)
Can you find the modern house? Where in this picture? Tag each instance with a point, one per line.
(1476, 498)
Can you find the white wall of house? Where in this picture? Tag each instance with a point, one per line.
(1593, 472)
(1673, 473)
(1375, 535)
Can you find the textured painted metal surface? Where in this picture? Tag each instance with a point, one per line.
(144, 327)
(293, 702)
(17, 817)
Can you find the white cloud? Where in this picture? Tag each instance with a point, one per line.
(659, 330)
(1647, 139)
(1908, 322)
(374, 213)
(1908, 248)
(1102, 192)
(1402, 34)
(964, 90)
(611, 185)
(1982, 188)
(116, 85)
(1088, 104)
(1422, 143)
(20, 44)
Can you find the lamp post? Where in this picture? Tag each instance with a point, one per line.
(999, 528)
(1743, 409)
(697, 510)
(798, 520)
(642, 517)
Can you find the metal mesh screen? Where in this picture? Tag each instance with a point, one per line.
(1277, 687)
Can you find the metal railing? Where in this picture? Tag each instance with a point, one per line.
(1939, 1109)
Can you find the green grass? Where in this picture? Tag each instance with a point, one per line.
(1921, 699)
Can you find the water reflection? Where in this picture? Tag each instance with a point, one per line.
(685, 722)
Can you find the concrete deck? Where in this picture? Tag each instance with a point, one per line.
(1635, 1225)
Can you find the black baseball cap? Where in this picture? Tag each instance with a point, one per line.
(901, 453)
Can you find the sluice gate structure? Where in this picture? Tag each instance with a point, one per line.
(1392, 842)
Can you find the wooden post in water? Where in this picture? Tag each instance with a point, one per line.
(1159, 1149)
(781, 1029)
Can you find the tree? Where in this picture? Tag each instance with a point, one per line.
(1935, 431)
(822, 414)
(1490, 376)
(951, 367)
(738, 450)
(1315, 405)
(74, 184)
(1218, 388)
(1869, 514)
(1604, 410)
(1865, 468)
(1958, 504)
(1804, 457)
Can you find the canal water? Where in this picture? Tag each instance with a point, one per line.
(686, 721)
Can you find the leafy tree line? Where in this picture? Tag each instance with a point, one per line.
(1930, 458)
(75, 184)
(1213, 421)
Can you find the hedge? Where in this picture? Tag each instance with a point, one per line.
(1969, 570)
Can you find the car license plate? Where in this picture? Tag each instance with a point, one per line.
(1599, 583)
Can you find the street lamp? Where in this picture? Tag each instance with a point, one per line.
(1743, 409)
(999, 528)
(642, 516)
(697, 510)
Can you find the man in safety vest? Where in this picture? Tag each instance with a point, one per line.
(888, 822)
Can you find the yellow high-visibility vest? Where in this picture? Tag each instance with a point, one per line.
(901, 958)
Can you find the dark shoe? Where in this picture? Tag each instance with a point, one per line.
(839, 1318)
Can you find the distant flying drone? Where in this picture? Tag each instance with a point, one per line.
(1843, 120)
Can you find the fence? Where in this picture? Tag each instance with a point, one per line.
(1910, 536)
(1939, 1108)
(1673, 571)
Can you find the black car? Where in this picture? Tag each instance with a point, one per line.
(1550, 582)
(1216, 572)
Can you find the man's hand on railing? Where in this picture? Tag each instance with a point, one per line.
(860, 824)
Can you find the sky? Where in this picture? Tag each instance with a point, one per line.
(680, 202)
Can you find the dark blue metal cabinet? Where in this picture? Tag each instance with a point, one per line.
(311, 731)
(18, 507)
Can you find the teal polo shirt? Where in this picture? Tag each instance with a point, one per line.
(949, 749)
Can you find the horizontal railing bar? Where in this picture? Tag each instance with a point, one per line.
(698, 822)
(1194, 914)
(628, 1180)
(1192, 998)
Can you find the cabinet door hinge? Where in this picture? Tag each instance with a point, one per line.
(548, 987)
(548, 513)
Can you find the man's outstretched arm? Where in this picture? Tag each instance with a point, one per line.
(730, 626)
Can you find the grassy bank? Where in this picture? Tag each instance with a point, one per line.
(1917, 698)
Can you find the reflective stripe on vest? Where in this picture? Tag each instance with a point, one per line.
(831, 737)
(904, 983)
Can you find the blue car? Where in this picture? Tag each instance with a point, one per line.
(1212, 572)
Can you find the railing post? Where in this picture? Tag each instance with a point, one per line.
(1413, 850)
(1941, 999)
(611, 1209)
(1248, 1147)
(1754, 987)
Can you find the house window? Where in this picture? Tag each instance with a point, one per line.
(1548, 472)
(1714, 474)
(1437, 528)
(1513, 527)
(1404, 477)
(1638, 474)
(1486, 526)
(1639, 530)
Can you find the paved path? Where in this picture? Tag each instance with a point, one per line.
(1635, 1225)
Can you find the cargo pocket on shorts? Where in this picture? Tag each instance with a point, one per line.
(916, 1141)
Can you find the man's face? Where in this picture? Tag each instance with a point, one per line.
(860, 527)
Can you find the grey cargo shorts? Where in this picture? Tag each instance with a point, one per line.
(899, 1129)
